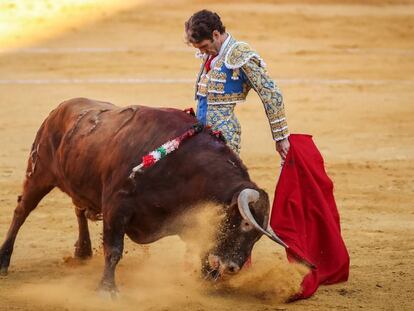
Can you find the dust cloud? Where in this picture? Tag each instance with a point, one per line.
(166, 276)
(268, 279)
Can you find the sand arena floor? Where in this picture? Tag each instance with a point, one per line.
(347, 74)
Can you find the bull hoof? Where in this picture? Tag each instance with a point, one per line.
(83, 250)
(107, 291)
(4, 263)
(112, 295)
(3, 271)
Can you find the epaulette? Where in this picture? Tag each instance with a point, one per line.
(239, 54)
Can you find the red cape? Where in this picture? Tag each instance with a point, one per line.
(305, 216)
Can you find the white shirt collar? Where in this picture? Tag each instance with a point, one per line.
(222, 49)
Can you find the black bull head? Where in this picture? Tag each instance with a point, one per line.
(245, 221)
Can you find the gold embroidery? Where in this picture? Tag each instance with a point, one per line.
(238, 55)
(202, 90)
(278, 126)
(217, 79)
(218, 64)
(216, 87)
(222, 118)
(219, 76)
(225, 98)
(235, 74)
(202, 86)
(270, 95)
(246, 88)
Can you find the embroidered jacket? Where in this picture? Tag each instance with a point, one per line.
(233, 73)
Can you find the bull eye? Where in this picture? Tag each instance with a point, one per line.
(246, 226)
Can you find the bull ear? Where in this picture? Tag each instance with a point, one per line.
(232, 207)
(233, 202)
(262, 207)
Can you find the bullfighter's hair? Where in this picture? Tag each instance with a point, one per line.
(200, 26)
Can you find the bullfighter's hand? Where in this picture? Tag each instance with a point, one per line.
(282, 146)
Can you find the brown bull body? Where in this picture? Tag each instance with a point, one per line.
(88, 148)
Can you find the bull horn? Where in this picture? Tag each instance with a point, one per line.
(247, 196)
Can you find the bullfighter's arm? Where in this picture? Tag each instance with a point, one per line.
(242, 56)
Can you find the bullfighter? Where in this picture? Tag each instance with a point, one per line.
(229, 69)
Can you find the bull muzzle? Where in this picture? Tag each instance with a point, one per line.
(247, 196)
(218, 268)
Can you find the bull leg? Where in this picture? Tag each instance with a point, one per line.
(83, 247)
(27, 202)
(113, 241)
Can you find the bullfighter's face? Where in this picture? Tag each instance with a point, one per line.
(209, 46)
(235, 240)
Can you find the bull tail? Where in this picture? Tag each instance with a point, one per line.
(44, 145)
(34, 152)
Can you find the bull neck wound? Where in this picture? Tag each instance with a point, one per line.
(222, 49)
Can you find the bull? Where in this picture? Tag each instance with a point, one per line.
(88, 148)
